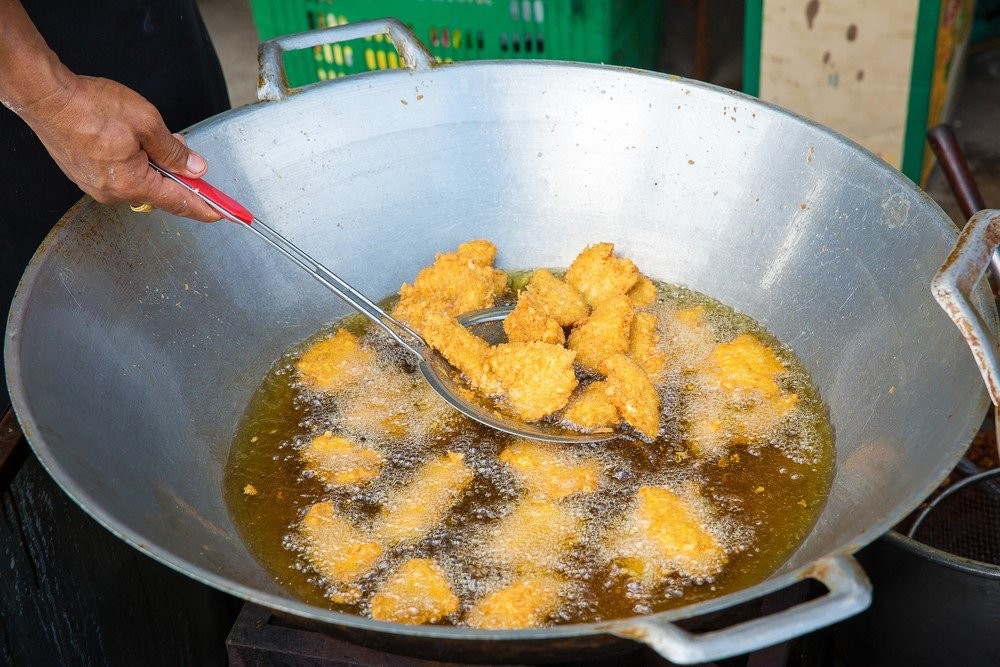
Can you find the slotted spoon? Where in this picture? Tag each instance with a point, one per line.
(438, 373)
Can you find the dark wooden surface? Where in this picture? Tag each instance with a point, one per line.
(73, 594)
(13, 448)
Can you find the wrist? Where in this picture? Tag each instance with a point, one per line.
(41, 92)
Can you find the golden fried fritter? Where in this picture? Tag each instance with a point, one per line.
(341, 553)
(740, 402)
(524, 603)
(463, 350)
(557, 299)
(643, 293)
(598, 274)
(604, 334)
(480, 252)
(663, 535)
(529, 323)
(418, 592)
(688, 337)
(715, 420)
(591, 408)
(536, 379)
(422, 503)
(693, 317)
(744, 364)
(708, 430)
(393, 404)
(633, 394)
(644, 344)
(551, 471)
(335, 362)
(414, 311)
(535, 534)
(454, 284)
(338, 461)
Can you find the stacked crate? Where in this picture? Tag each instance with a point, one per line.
(620, 32)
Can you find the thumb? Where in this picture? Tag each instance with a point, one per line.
(171, 153)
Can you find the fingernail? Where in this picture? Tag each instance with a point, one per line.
(196, 163)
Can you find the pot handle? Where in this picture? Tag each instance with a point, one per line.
(273, 83)
(953, 286)
(849, 593)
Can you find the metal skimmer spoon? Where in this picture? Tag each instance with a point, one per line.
(438, 373)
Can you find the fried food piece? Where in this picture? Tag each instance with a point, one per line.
(551, 471)
(535, 534)
(393, 405)
(598, 274)
(480, 252)
(557, 299)
(454, 284)
(418, 592)
(633, 394)
(415, 310)
(644, 344)
(688, 338)
(335, 362)
(524, 603)
(740, 402)
(591, 408)
(341, 553)
(716, 420)
(338, 461)
(693, 317)
(529, 323)
(746, 364)
(643, 293)
(604, 334)
(665, 534)
(464, 350)
(536, 379)
(422, 503)
(543, 308)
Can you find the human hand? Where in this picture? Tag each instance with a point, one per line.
(103, 136)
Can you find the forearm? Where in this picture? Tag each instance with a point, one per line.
(30, 73)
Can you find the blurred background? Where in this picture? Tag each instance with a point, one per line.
(881, 73)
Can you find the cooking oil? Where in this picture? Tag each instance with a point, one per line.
(762, 497)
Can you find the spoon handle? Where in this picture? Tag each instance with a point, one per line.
(232, 210)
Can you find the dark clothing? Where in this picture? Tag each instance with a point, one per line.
(70, 592)
(159, 48)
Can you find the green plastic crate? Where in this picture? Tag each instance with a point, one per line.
(619, 32)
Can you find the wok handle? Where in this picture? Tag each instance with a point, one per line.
(849, 593)
(953, 286)
(273, 83)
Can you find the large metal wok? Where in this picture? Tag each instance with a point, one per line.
(135, 343)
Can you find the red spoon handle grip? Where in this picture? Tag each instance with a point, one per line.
(217, 198)
(213, 196)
